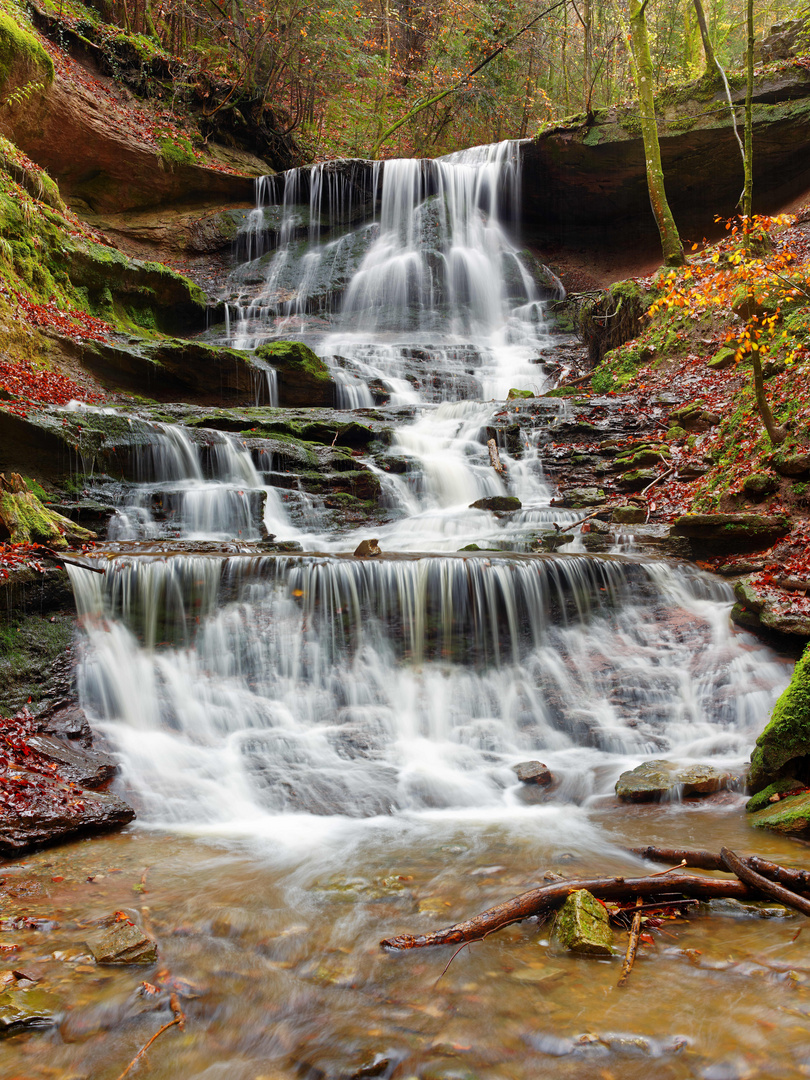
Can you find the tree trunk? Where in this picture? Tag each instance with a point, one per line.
(708, 49)
(640, 44)
(749, 127)
(776, 433)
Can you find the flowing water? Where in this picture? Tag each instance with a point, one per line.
(321, 748)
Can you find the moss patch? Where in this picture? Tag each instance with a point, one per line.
(783, 748)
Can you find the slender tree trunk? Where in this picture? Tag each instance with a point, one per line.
(586, 54)
(640, 44)
(776, 433)
(749, 127)
(708, 49)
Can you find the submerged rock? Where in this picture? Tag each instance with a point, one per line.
(21, 1010)
(660, 779)
(120, 941)
(583, 926)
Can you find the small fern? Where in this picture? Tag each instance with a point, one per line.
(22, 94)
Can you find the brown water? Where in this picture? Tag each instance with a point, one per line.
(289, 980)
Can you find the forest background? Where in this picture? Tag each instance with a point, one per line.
(331, 78)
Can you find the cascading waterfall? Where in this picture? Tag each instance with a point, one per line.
(340, 687)
(439, 303)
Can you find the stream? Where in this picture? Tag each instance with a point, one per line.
(320, 748)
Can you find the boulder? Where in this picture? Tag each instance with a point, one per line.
(797, 465)
(759, 485)
(303, 378)
(582, 925)
(694, 417)
(728, 534)
(121, 941)
(498, 504)
(653, 781)
(783, 748)
(533, 772)
(578, 498)
(722, 359)
(630, 514)
(773, 793)
(42, 809)
(636, 479)
(771, 617)
(87, 768)
(789, 815)
(24, 519)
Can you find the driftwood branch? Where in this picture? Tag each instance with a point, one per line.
(54, 556)
(795, 880)
(544, 899)
(632, 944)
(495, 457)
(742, 869)
(581, 521)
(143, 1049)
(756, 879)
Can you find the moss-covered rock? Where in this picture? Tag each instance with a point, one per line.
(629, 514)
(498, 504)
(779, 788)
(724, 534)
(583, 926)
(303, 378)
(759, 485)
(790, 815)
(581, 497)
(24, 520)
(783, 748)
(722, 359)
(23, 61)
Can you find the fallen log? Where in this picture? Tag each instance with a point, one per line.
(495, 457)
(632, 944)
(795, 880)
(548, 897)
(743, 870)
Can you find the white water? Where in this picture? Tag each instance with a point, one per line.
(258, 696)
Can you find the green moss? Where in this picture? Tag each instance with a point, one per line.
(790, 815)
(28, 647)
(295, 356)
(762, 798)
(20, 50)
(783, 748)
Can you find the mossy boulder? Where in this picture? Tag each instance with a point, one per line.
(783, 748)
(630, 514)
(303, 378)
(498, 504)
(515, 393)
(578, 498)
(722, 359)
(759, 485)
(797, 464)
(694, 417)
(24, 520)
(790, 815)
(583, 926)
(773, 793)
(636, 479)
(726, 534)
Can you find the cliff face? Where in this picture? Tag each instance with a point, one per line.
(584, 182)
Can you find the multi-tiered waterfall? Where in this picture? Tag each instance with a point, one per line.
(343, 732)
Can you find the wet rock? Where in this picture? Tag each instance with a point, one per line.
(789, 815)
(499, 504)
(582, 925)
(533, 772)
(660, 779)
(768, 617)
(551, 540)
(120, 941)
(87, 768)
(579, 497)
(21, 1010)
(628, 515)
(726, 534)
(303, 378)
(49, 809)
(783, 748)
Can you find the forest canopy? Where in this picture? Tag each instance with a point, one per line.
(338, 75)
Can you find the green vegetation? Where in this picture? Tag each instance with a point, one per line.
(781, 749)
